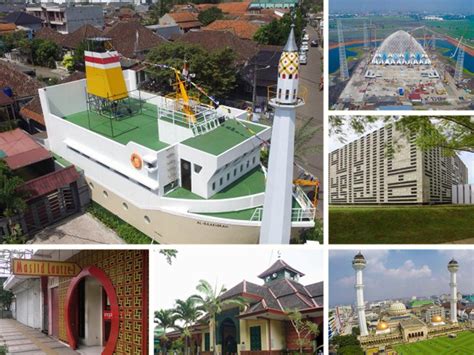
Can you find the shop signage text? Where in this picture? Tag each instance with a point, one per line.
(44, 268)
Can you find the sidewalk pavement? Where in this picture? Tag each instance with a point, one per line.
(21, 339)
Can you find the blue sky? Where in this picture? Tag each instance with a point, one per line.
(223, 265)
(398, 274)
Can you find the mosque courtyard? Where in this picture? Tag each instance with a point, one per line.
(463, 343)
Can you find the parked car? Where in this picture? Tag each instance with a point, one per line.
(304, 47)
(306, 37)
(314, 43)
(303, 58)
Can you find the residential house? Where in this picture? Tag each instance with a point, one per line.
(185, 20)
(67, 19)
(23, 20)
(51, 190)
(241, 28)
(263, 326)
(21, 89)
(133, 40)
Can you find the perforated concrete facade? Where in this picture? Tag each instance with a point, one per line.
(386, 167)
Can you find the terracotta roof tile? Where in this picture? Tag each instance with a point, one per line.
(7, 27)
(124, 38)
(48, 183)
(74, 39)
(20, 149)
(216, 40)
(183, 17)
(231, 8)
(241, 28)
(33, 111)
(50, 35)
(21, 84)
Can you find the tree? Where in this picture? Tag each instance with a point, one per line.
(304, 328)
(276, 32)
(45, 53)
(6, 297)
(303, 136)
(165, 318)
(453, 133)
(344, 340)
(215, 72)
(210, 15)
(211, 303)
(12, 200)
(350, 350)
(78, 56)
(188, 313)
(169, 254)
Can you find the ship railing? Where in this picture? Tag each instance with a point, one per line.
(301, 197)
(297, 214)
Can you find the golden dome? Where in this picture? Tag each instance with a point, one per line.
(382, 325)
(436, 319)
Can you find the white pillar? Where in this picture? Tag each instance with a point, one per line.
(453, 267)
(359, 286)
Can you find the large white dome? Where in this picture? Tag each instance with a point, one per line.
(397, 309)
(400, 48)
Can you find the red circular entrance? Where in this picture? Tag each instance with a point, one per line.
(71, 307)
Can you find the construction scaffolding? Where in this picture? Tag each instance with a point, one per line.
(344, 70)
(459, 65)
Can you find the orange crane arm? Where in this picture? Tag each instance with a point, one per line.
(315, 183)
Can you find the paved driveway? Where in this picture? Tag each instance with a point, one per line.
(77, 229)
(21, 339)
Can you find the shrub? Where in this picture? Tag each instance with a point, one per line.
(128, 233)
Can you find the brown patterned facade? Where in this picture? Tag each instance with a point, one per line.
(386, 167)
(128, 272)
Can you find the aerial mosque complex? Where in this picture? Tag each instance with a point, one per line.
(396, 324)
(403, 71)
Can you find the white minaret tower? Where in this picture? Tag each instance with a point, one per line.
(358, 263)
(277, 207)
(453, 267)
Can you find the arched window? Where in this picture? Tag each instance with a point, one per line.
(290, 76)
(287, 94)
(279, 93)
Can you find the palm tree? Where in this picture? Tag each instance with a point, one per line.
(187, 312)
(165, 318)
(211, 303)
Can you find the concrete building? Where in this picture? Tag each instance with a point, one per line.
(385, 166)
(67, 19)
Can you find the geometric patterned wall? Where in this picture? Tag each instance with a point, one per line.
(128, 271)
(385, 166)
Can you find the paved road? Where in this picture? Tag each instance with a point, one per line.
(309, 77)
(78, 229)
(21, 339)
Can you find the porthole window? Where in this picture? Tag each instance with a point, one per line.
(147, 220)
(125, 206)
(105, 193)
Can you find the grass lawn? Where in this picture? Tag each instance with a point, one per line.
(400, 224)
(463, 344)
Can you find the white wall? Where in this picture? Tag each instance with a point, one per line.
(93, 313)
(69, 98)
(463, 194)
(29, 305)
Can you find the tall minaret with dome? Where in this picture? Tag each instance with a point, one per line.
(358, 264)
(453, 268)
(277, 207)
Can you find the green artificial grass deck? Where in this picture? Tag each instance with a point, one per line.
(250, 184)
(243, 215)
(141, 128)
(463, 344)
(224, 137)
(400, 224)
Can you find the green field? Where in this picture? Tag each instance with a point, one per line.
(463, 344)
(400, 224)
